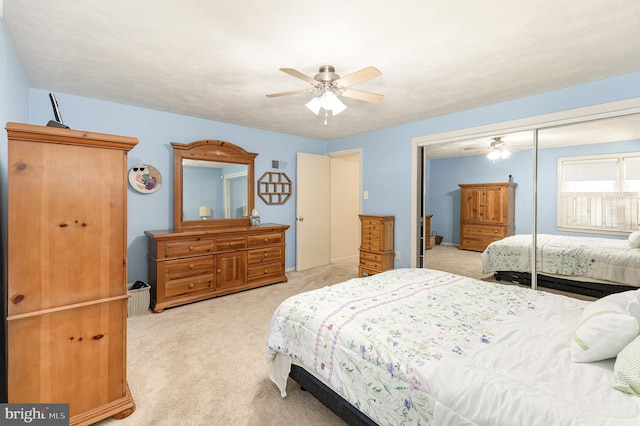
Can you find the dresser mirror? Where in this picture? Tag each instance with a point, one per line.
(213, 185)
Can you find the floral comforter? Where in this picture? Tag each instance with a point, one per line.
(605, 259)
(380, 341)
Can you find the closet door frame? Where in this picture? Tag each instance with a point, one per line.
(534, 123)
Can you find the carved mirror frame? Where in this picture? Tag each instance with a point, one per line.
(215, 151)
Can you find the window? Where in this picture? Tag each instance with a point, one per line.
(599, 194)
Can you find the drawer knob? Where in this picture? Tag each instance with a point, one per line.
(191, 266)
(218, 271)
(191, 285)
(190, 248)
(266, 239)
(266, 270)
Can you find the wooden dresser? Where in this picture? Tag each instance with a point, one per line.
(67, 271)
(191, 265)
(486, 214)
(376, 244)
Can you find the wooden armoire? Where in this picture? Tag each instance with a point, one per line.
(486, 213)
(67, 270)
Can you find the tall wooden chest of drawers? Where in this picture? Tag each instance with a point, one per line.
(188, 266)
(376, 244)
(486, 213)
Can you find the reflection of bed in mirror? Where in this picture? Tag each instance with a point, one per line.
(583, 265)
(420, 346)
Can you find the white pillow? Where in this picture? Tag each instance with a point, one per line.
(606, 327)
(634, 239)
(626, 370)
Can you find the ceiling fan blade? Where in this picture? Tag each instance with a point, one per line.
(295, 92)
(358, 76)
(300, 75)
(363, 96)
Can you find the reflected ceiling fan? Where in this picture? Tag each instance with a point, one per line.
(496, 150)
(330, 87)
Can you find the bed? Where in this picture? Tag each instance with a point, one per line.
(425, 347)
(585, 265)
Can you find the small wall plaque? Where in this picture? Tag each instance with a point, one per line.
(274, 187)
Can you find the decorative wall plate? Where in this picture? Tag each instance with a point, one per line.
(145, 178)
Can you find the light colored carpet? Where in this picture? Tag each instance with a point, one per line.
(449, 258)
(203, 363)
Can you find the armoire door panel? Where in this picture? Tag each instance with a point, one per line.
(74, 356)
(70, 239)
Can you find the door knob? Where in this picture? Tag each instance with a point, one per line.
(301, 219)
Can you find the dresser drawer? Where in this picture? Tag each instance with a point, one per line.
(376, 260)
(476, 244)
(380, 261)
(267, 254)
(372, 264)
(370, 224)
(188, 248)
(371, 257)
(274, 238)
(230, 243)
(370, 232)
(190, 285)
(265, 270)
(483, 231)
(370, 242)
(189, 267)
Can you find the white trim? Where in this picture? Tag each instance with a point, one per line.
(577, 115)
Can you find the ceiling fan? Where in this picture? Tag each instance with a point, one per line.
(495, 151)
(330, 86)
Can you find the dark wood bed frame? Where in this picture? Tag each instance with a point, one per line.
(347, 412)
(579, 287)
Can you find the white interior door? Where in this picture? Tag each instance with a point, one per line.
(312, 211)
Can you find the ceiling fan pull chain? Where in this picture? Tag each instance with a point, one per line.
(326, 114)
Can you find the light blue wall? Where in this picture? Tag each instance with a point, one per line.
(14, 106)
(386, 161)
(155, 131)
(386, 165)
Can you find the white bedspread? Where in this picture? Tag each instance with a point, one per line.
(418, 346)
(604, 259)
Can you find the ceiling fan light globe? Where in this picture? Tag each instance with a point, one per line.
(338, 107)
(493, 155)
(504, 154)
(314, 105)
(328, 100)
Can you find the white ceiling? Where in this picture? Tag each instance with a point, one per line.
(218, 59)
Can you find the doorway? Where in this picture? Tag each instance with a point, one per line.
(327, 208)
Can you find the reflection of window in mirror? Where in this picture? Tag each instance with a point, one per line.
(595, 167)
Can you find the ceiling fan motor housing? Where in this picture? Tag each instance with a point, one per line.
(326, 74)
